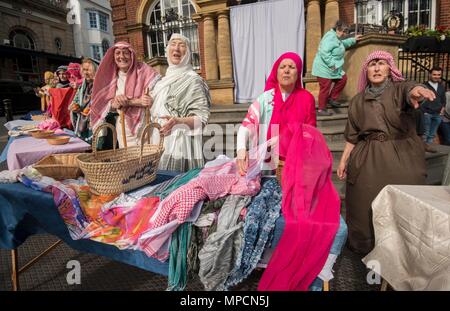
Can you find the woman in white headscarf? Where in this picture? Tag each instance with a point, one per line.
(181, 106)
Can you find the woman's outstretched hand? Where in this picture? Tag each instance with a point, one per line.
(420, 93)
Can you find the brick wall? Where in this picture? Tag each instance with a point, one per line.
(444, 13)
(124, 16)
(347, 11)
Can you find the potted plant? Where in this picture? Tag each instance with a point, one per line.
(422, 39)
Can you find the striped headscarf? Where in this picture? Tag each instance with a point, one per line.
(396, 75)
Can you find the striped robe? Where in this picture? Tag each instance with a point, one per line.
(187, 96)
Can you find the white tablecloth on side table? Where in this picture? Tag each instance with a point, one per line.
(412, 237)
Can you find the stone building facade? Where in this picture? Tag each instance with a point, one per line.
(35, 36)
(135, 21)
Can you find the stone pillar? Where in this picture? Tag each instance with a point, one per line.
(331, 14)
(313, 31)
(210, 47)
(224, 46)
(313, 37)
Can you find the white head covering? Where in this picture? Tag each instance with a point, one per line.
(173, 73)
(185, 63)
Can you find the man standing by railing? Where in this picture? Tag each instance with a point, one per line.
(433, 110)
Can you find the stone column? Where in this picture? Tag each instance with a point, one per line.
(331, 14)
(224, 46)
(313, 31)
(210, 47)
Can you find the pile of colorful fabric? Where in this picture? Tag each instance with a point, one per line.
(214, 222)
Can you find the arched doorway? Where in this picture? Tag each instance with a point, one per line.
(25, 66)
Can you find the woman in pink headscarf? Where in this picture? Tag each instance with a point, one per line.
(284, 101)
(122, 84)
(382, 145)
(310, 204)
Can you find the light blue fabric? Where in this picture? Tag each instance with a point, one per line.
(4, 155)
(336, 249)
(331, 54)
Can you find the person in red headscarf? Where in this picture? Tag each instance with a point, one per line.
(284, 101)
(314, 233)
(122, 84)
(382, 146)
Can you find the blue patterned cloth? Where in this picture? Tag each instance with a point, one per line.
(262, 214)
(263, 227)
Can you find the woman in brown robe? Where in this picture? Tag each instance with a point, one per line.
(382, 146)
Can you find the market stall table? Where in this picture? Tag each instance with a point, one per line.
(412, 237)
(26, 151)
(24, 212)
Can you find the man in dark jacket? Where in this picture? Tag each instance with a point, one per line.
(432, 110)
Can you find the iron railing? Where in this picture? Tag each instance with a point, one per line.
(416, 66)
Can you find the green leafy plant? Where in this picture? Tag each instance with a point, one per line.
(440, 32)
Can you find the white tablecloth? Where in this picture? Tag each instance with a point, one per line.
(412, 237)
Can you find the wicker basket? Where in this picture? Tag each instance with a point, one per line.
(59, 166)
(279, 171)
(115, 171)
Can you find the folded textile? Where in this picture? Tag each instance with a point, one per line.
(222, 247)
(205, 225)
(262, 214)
(177, 279)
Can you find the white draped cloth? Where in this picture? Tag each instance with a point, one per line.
(260, 33)
(412, 237)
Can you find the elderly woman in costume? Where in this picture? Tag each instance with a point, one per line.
(181, 105)
(328, 64)
(382, 146)
(63, 78)
(287, 110)
(80, 107)
(123, 85)
(284, 95)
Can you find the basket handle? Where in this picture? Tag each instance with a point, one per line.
(148, 130)
(97, 132)
(122, 123)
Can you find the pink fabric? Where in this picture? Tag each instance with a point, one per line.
(49, 124)
(155, 242)
(74, 73)
(60, 99)
(139, 77)
(310, 207)
(396, 75)
(298, 108)
(26, 151)
(209, 184)
(132, 220)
